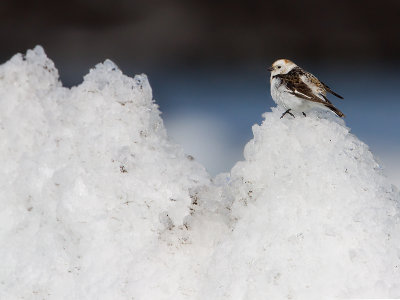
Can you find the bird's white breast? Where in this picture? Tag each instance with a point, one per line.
(280, 94)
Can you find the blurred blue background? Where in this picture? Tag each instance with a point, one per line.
(222, 105)
(206, 60)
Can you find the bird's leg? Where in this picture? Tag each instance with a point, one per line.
(304, 114)
(288, 112)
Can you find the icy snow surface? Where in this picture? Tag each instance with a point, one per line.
(314, 217)
(97, 203)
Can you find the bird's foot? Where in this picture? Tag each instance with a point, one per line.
(288, 112)
(304, 114)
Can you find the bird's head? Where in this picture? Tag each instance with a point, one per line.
(281, 66)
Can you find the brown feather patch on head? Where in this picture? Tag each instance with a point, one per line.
(282, 60)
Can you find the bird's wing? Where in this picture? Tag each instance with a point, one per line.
(297, 87)
(314, 80)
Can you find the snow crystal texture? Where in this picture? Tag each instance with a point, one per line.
(89, 180)
(97, 203)
(314, 217)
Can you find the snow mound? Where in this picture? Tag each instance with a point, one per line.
(97, 203)
(89, 183)
(313, 217)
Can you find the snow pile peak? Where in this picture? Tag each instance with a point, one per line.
(314, 217)
(89, 182)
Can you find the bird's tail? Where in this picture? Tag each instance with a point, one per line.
(335, 110)
(335, 94)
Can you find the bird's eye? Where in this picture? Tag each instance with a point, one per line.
(279, 67)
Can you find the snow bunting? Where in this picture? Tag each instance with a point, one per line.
(295, 89)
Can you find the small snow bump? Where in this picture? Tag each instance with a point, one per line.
(110, 65)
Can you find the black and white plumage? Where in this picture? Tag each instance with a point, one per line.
(298, 90)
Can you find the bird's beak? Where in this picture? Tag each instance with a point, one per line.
(270, 69)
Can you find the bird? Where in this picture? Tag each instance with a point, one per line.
(298, 90)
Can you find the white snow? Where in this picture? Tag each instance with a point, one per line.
(89, 183)
(315, 217)
(98, 203)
